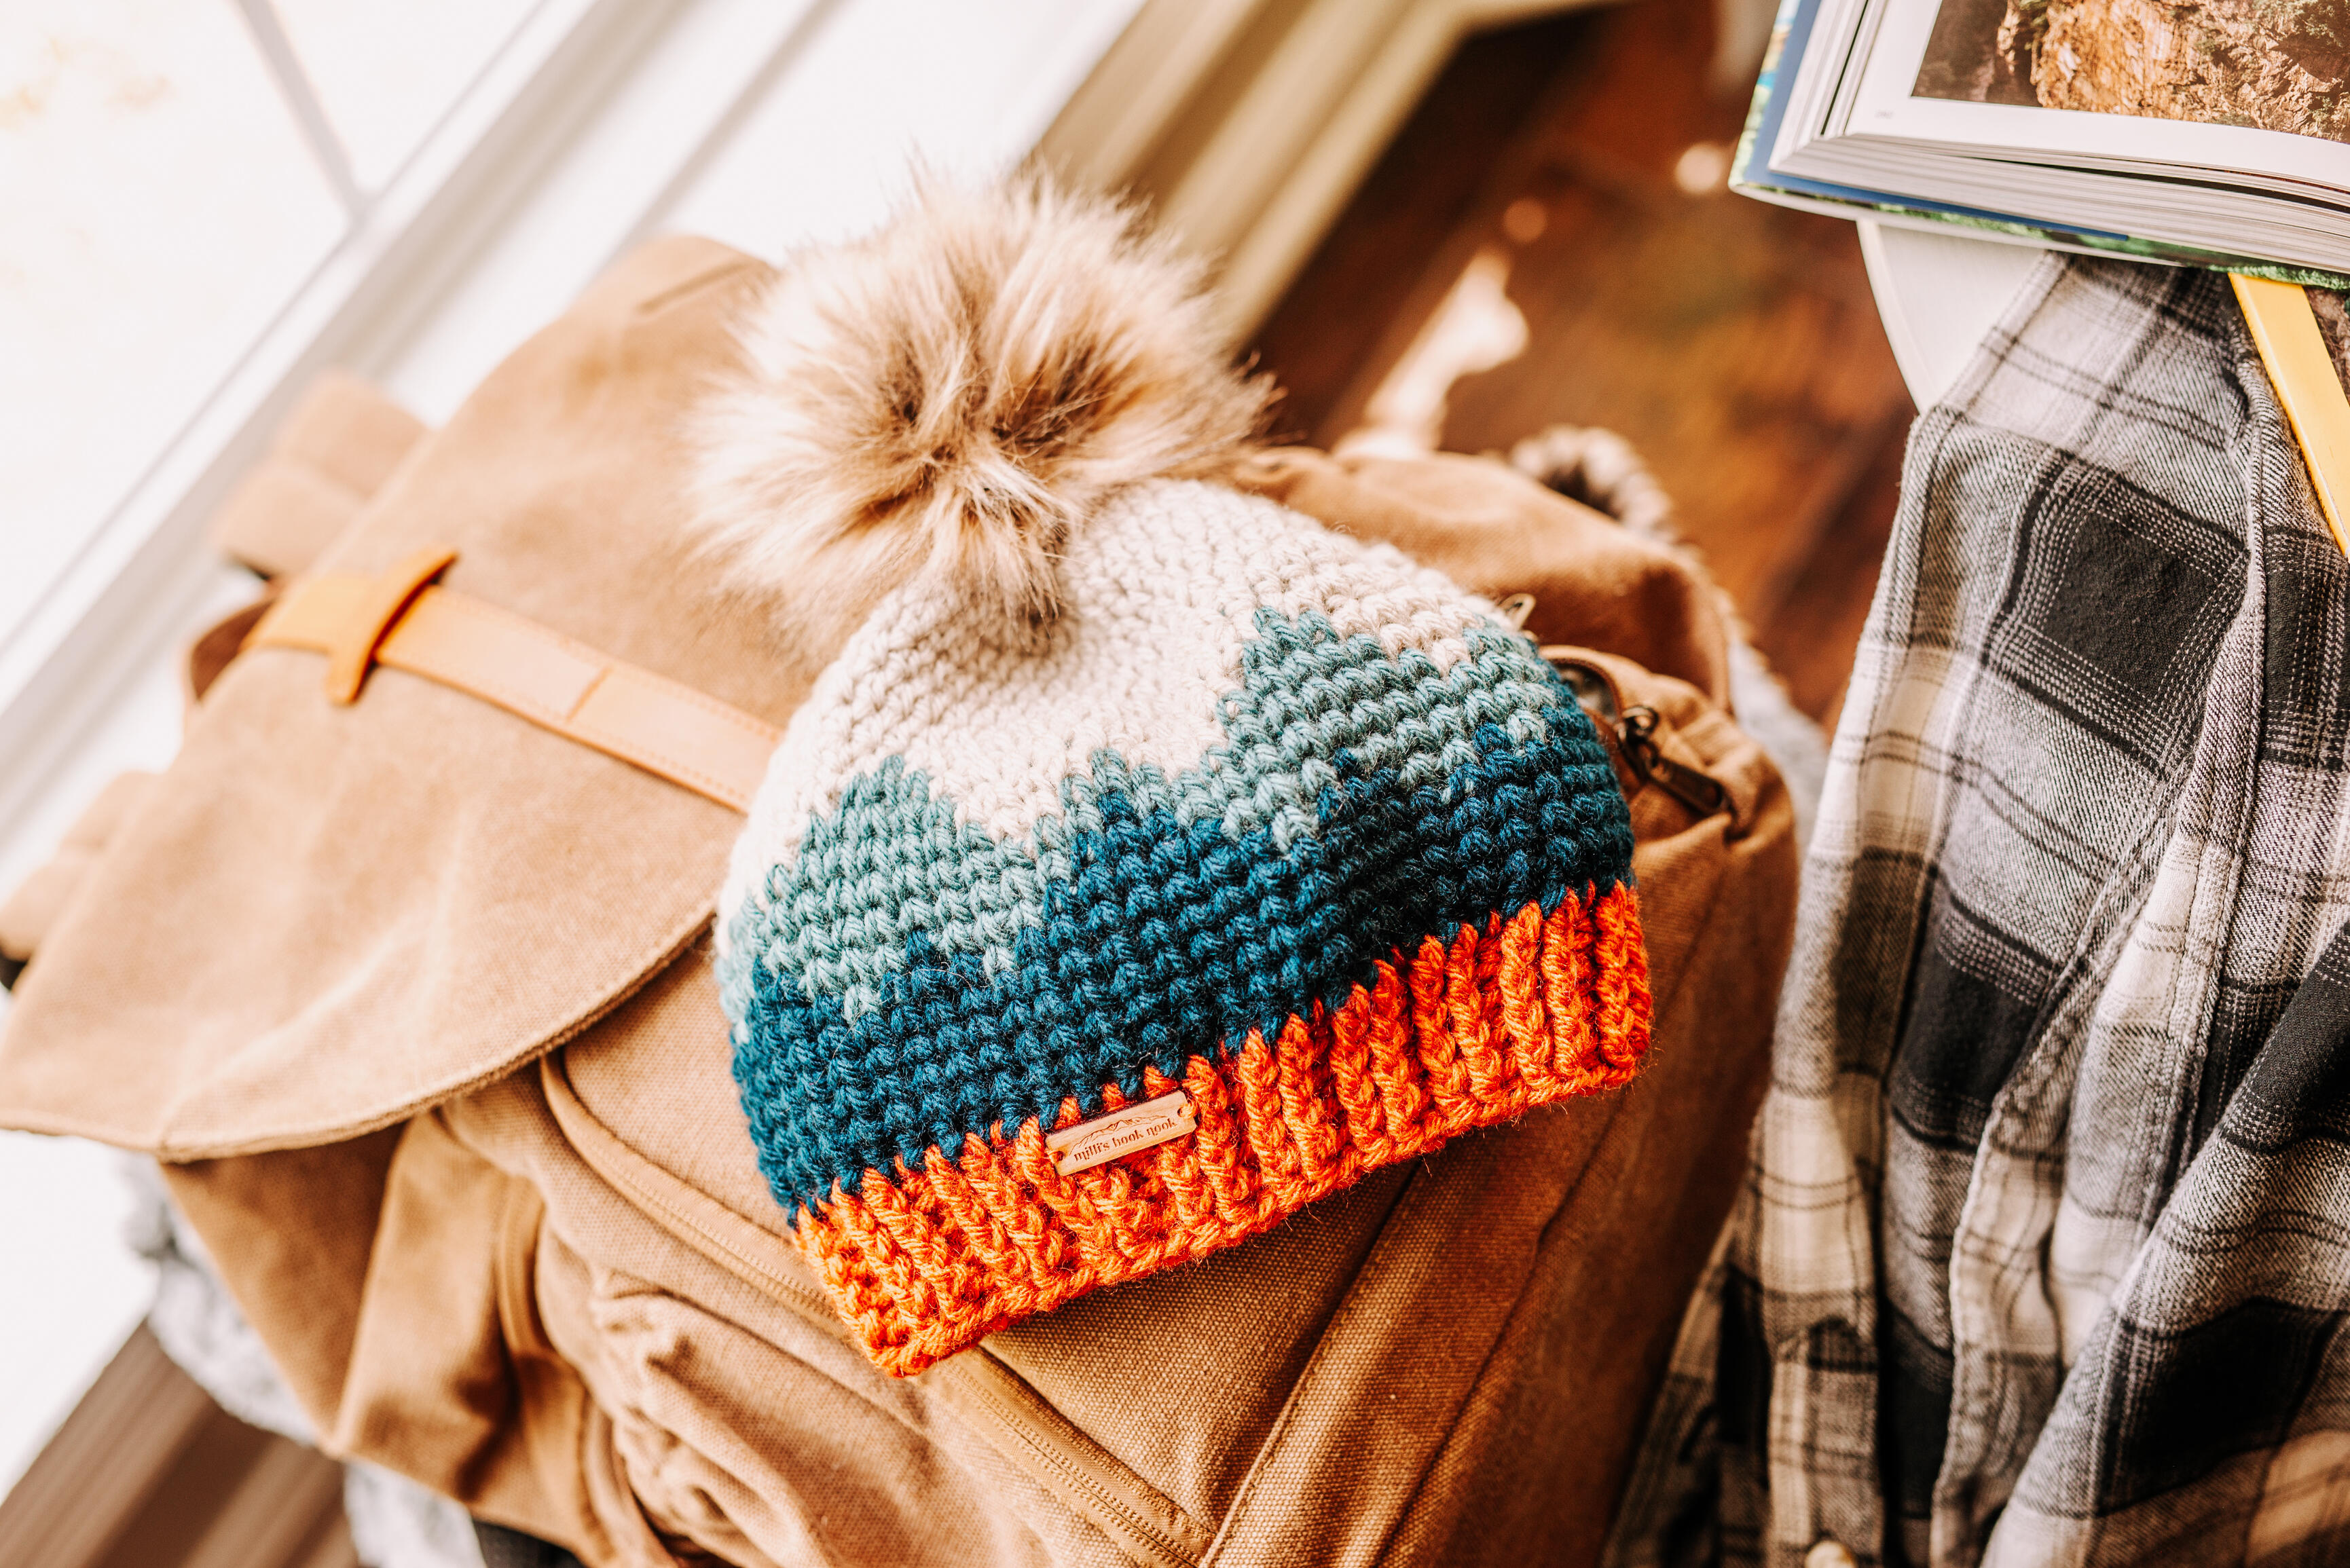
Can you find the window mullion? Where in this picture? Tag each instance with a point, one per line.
(302, 99)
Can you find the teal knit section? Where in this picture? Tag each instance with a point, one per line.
(889, 860)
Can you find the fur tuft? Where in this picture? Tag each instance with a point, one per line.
(955, 393)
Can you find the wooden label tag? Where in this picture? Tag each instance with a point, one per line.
(1143, 1126)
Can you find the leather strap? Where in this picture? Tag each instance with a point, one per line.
(2301, 367)
(400, 620)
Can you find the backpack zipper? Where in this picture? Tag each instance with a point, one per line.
(1702, 792)
(1634, 731)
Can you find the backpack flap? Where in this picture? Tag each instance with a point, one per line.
(328, 917)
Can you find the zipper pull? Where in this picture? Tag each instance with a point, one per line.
(1634, 730)
(1700, 793)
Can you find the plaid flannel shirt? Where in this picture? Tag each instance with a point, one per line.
(2045, 1243)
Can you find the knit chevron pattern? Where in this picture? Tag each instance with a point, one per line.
(1265, 813)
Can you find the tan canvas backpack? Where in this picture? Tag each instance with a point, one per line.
(402, 973)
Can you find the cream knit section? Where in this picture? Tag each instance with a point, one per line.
(1160, 590)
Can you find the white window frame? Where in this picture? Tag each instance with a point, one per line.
(135, 582)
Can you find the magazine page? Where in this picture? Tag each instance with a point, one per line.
(2211, 217)
(2142, 209)
(1836, 64)
(1771, 121)
(1825, 34)
(2257, 87)
(2263, 65)
(1865, 30)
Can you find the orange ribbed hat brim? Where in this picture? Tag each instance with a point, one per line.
(923, 1263)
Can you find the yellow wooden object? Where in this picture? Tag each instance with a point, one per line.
(2285, 329)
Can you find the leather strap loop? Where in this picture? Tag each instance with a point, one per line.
(399, 621)
(345, 617)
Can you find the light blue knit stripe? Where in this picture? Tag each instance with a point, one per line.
(891, 860)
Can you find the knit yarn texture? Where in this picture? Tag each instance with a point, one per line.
(1266, 816)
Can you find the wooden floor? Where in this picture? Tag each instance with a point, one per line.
(1734, 343)
(148, 1472)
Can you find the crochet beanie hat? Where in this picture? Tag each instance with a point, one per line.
(1151, 861)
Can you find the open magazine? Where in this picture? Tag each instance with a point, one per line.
(2216, 134)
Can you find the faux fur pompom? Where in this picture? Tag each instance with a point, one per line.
(957, 392)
